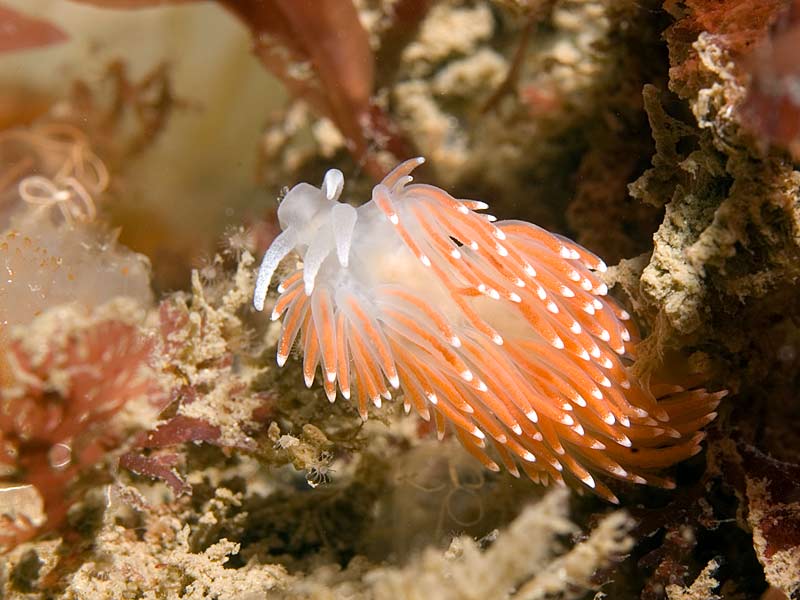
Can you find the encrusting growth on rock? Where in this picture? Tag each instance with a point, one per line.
(503, 330)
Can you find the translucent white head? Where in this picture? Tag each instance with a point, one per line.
(305, 207)
(314, 222)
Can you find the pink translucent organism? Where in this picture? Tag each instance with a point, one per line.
(503, 331)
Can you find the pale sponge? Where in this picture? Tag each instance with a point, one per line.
(44, 264)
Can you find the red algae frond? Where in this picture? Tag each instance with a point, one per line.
(64, 387)
(22, 32)
(502, 331)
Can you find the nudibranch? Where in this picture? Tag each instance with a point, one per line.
(501, 331)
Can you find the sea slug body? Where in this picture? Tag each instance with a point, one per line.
(502, 330)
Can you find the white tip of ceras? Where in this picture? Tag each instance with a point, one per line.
(330, 376)
(490, 218)
(532, 416)
(478, 434)
(499, 234)
(455, 253)
(377, 401)
(601, 290)
(394, 381)
(528, 456)
(497, 340)
(274, 316)
(425, 260)
(501, 250)
(601, 266)
(557, 343)
(455, 342)
(394, 219)
(462, 209)
(432, 398)
(589, 481)
(517, 429)
(309, 379)
(586, 285)
(466, 375)
(281, 359)
(565, 252)
(575, 328)
(331, 394)
(515, 298)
